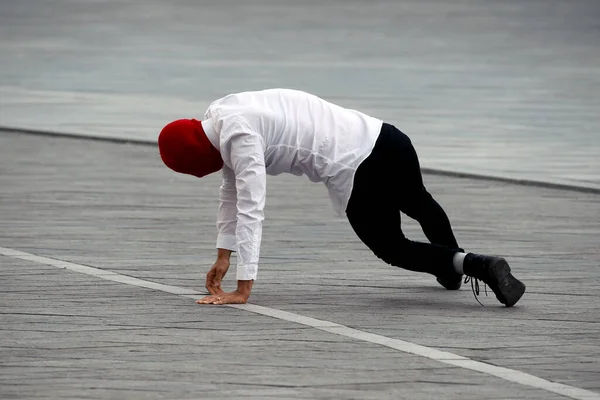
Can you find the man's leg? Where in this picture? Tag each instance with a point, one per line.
(378, 226)
(418, 204)
(436, 226)
(414, 200)
(405, 186)
(390, 180)
(374, 215)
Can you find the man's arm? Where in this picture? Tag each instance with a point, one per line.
(227, 213)
(226, 225)
(247, 159)
(218, 271)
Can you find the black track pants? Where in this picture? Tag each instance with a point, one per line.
(388, 182)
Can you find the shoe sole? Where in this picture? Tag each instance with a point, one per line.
(510, 289)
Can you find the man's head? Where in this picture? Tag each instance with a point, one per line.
(184, 148)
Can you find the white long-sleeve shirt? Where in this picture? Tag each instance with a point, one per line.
(272, 132)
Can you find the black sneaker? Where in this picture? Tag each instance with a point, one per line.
(495, 273)
(450, 280)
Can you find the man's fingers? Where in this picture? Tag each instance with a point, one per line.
(211, 289)
(222, 298)
(213, 286)
(207, 300)
(216, 280)
(212, 299)
(214, 289)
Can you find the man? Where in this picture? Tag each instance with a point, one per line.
(370, 169)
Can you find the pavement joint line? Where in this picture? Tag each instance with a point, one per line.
(425, 170)
(456, 360)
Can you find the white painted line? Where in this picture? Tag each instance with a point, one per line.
(97, 272)
(507, 374)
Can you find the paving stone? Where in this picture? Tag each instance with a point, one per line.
(116, 207)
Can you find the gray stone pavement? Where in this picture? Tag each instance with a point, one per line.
(507, 88)
(116, 207)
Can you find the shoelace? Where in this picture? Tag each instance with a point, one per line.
(475, 287)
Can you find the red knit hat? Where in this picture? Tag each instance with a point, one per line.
(184, 148)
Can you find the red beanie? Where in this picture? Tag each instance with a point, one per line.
(184, 148)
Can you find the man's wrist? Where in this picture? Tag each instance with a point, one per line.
(244, 288)
(223, 254)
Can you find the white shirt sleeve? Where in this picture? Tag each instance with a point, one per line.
(246, 156)
(227, 214)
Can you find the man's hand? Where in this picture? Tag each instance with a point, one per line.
(216, 275)
(240, 296)
(223, 298)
